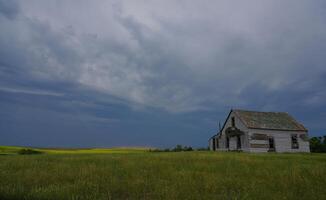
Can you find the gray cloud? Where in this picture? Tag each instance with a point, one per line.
(178, 56)
(30, 91)
(9, 8)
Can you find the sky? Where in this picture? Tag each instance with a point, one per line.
(155, 73)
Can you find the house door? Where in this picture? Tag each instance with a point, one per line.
(271, 144)
(238, 142)
(214, 147)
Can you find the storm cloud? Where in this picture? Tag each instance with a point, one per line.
(185, 60)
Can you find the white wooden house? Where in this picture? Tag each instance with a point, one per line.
(251, 131)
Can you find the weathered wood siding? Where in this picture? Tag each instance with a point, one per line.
(282, 141)
(210, 144)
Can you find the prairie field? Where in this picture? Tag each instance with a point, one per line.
(136, 173)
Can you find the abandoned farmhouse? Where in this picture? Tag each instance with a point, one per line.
(251, 131)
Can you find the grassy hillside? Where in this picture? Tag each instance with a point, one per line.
(146, 175)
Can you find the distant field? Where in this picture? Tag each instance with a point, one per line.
(139, 174)
(5, 150)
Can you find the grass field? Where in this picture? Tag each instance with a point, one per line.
(138, 174)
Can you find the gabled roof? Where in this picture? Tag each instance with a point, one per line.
(269, 120)
(213, 136)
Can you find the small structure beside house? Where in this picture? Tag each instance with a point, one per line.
(251, 131)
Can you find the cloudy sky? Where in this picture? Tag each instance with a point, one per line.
(155, 73)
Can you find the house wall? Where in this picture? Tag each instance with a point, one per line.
(221, 144)
(210, 143)
(282, 141)
(233, 140)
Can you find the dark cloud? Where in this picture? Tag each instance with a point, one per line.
(9, 8)
(173, 58)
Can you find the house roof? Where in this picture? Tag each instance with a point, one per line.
(269, 120)
(213, 136)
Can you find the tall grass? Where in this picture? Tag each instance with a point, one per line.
(182, 175)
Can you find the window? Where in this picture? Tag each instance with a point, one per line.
(227, 142)
(233, 122)
(271, 143)
(238, 142)
(294, 140)
(213, 141)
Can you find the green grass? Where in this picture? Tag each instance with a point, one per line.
(7, 150)
(137, 174)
